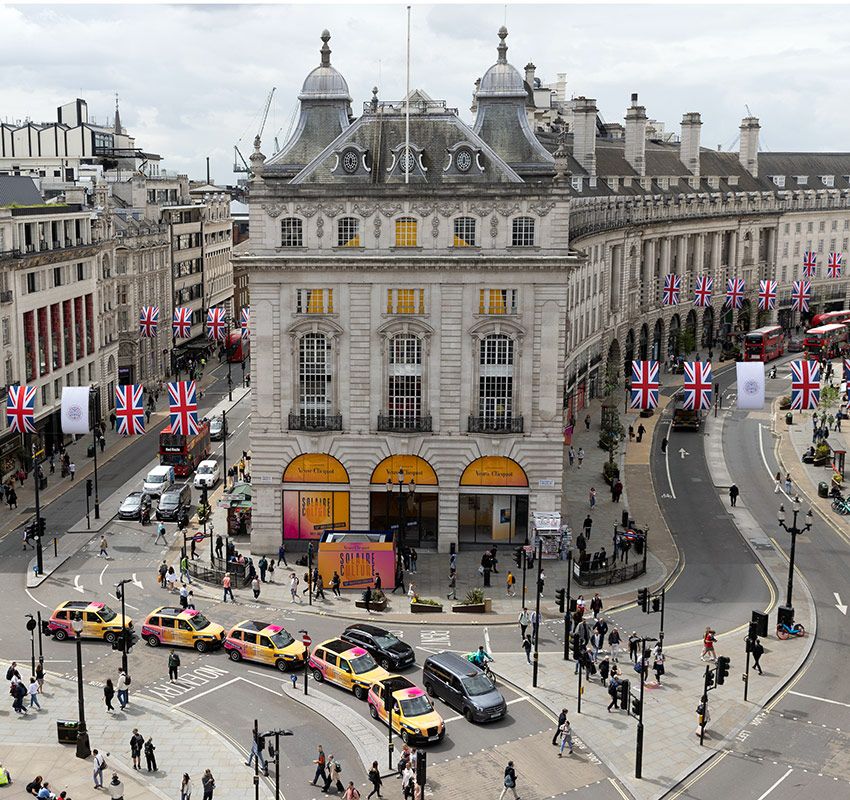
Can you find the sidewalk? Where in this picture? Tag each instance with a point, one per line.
(182, 744)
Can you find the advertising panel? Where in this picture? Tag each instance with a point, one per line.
(358, 563)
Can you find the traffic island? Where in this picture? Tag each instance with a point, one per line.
(423, 605)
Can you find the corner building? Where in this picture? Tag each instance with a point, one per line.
(409, 315)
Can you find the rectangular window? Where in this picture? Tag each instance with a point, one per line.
(495, 382)
(464, 232)
(291, 232)
(29, 345)
(57, 276)
(406, 232)
(821, 226)
(7, 331)
(10, 372)
(497, 301)
(405, 301)
(43, 339)
(315, 377)
(32, 282)
(522, 233)
(348, 232)
(45, 394)
(797, 227)
(314, 301)
(81, 272)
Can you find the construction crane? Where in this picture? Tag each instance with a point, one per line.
(237, 153)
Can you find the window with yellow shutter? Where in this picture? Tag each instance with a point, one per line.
(405, 301)
(497, 301)
(406, 232)
(464, 232)
(348, 232)
(314, 301)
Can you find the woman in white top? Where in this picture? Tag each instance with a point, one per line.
(186, 787)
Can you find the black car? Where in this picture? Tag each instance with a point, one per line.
(174, 502)
(131, 506)
(388, 650)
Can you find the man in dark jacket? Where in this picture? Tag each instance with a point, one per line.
(561, 717)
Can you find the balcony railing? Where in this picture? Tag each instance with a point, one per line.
(415, 423)
(495, 425)
(315, 422)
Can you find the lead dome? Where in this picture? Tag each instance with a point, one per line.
(502, 79)
(325, 82)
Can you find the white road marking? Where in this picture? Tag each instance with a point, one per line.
(683, 452)
(838, 604)
(208, 691)
(77, 585)
(822, 699)
(767, 467)
(137, 582)
(118, 599)
(790, 770)
(486, 640)
(34, 600)
(100, 578)
(667, 461)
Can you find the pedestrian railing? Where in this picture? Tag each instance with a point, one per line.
(606, 576)
(214, 573)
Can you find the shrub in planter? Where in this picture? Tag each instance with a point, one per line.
(424, 605)
(377, 603)
(610, 472)
(785, 402)
(474, 597)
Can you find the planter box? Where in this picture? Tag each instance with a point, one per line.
(424, 608)
(469, 608)
(373, 606)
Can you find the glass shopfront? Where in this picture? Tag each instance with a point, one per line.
(404, 496)
(315, 496)
(493, 503)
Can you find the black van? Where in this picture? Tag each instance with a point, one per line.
(174, 501)
(463, 686)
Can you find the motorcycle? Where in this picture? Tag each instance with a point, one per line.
(773, 372)
(145, 515)
(785, 631)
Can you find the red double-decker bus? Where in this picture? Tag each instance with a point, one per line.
(238, 348)
(827, 341)
(764, 344)
(830, 317)
(184, 453)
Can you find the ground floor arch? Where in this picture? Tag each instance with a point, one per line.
(629, 354)
(612, 367)
(707, 338)
(493, 502)
(658, 340)
(404, 498)
(643, 342)
(315, 496)
(674, 335)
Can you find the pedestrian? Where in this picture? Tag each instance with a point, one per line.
(319, 584)
(173, 665)
(19, 692)
(777, 482)
(788, 485)
(336, 582)
(375, 780)
(596, 605)
(604, 670)
(407, 782)
(613, 687)
(258, 745)
(184, 569)
(72, 470)
(115, 788)
(566, 733)
(208, 782)
(160, 534)
(524, 621)
(562, 717)
(186, 787)
(734, 491)
(510, 580)
(526, 645)
(640, 432)
(98, 766)
(171, 580)
(293, 588)
(631, 433)
(541, 581)
(39, 673)
(137, 742)
(150, 758)
(219, 547)
(320, 762)
(399, 580)
(587, 527)
(12, 498)
(509, 781)
(571, 454)
(225, 583)
(33, 693)
(663, 444)
(184, 596)
(453, 561)
(102, 440)
(351, 793)
(104, 552)
(587, 422)
(580, 456)
(614, 644)
(634, 641)
(658, 666)
(758, 652)
(271, 570)
(163, 571)
(108, 694)
(708, 641)
(255, 588)
(580, 607)
(112, 420)
(281, 554)
(413, 558)
(592, 497)
(263, 566)
(123, 692)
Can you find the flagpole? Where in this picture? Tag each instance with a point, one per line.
(407, 152)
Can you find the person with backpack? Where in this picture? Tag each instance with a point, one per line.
(509, 781)
(375, 780)
(208, 783)
(351, 792)
(137, 742)
(332, 773)
(173, 665)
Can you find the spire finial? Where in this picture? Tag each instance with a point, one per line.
(116, 125)
(325, 51)
(503, 48)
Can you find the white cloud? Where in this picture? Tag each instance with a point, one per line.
(192, 78)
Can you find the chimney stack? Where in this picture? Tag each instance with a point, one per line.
(584, 133)
(529, 74)
(748, 149)
(689, 143)
(636, 136)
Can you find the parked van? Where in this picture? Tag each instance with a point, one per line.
(463, 686)
(158, 480)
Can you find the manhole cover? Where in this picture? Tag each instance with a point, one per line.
(706, 600)
(761, 544)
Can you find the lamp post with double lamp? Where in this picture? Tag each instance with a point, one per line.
(277, 733)
(401, 502)
(786, 612)
(83, 749)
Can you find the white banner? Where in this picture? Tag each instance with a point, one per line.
(75, 409)
(750, 384)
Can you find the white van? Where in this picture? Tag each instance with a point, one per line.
(158, 480)
(207, 474)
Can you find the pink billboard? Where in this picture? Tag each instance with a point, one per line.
(358, 563)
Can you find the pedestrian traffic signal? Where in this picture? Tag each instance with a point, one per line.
(637, 704)
(561, 598)
(576, 647)
(643, 600)
(421, 772)
(656, 604)
(623, 689)
(41, 524)
(518, 557)
(89, 487)
(722, 672)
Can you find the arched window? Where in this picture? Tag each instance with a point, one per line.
(404, 390)
(496, 381)
(291, 232)
(464, 230)
(348, 232)
(406, 232)
(522, 234)
(314, 372)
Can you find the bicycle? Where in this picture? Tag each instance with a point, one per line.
(785, 631)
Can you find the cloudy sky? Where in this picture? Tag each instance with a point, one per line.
(193, 78)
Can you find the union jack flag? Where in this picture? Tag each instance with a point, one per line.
(801, 293)
(670, 293)
(130, 409)
(698, 385)
(245, 322)
(767, 295)
(833, 266)
(702, 291)
(645, 384)
(148, 321)
(20, 409)
(735, 292)
(183, 405)
(810, 263)
(215, 324)
(847, 372)
(805, 384)
(181, 324)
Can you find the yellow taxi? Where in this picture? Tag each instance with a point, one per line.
(99, 621)
(265, 643)
(414, 718)
(181, 627)
(345, 665)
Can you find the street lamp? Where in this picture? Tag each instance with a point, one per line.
(119, 591)
(83, 749)
(786, 612)
(277, 733)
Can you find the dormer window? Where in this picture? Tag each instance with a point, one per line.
(778, 181)
(828, 180)
(407, 160)
(802, 180)
(577, 181)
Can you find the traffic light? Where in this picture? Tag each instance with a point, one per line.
(118, 641)
(636, 706)
(561, 598)
(89, 487)
(624, 694)
(722, 672)
(518, 557)
(643, 600)
(421, 771)
(656, 604)
(576, 647)
(40, 526)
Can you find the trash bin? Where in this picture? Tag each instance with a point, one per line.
(823, 489)
(785, 614)
(624, 518)
(90, 451)
(789, 418)
(66, 731)
(42, 484)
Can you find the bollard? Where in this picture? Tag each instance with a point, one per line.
(55, 547)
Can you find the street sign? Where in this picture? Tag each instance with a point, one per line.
(39, 453)
(306, 640)
(198, 537)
